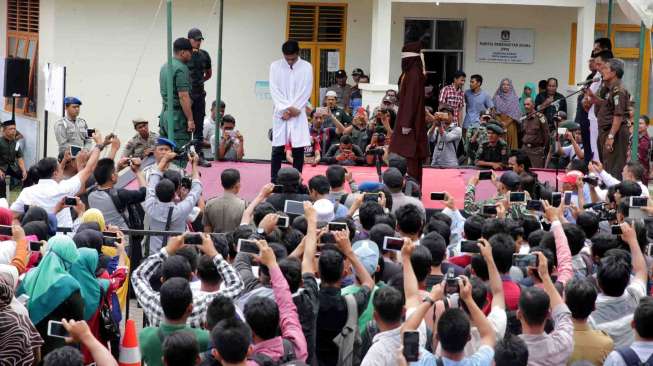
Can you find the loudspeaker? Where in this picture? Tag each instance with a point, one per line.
(16, 77)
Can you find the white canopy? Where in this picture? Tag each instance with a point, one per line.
(638, 11)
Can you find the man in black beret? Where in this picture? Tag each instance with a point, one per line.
(494, 152)
(11, 156)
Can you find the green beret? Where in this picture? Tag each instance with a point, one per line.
(495, 128)
(569, 125)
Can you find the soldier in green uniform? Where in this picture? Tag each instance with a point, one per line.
(475, 137)
(143, 143)
(494, 152)
(181, 108)
(11, 156)
(508, 182)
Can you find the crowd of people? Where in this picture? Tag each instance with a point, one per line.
(330, 270)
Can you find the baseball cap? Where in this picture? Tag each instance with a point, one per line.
(510, 179)
(367, 253)
(357, 72)
(341, 74)
(195, 34)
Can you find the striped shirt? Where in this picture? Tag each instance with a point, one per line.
(454, 98)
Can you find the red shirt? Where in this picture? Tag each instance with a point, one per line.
(511, 292)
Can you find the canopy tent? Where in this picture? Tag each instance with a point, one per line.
(638, 11)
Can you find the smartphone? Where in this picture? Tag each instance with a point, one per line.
(90, 132)
(247, 246)
(74, 150)
(568, 197)
(393, 243)
(517, 197)
(70, 201)
(616, 230)
(524, 260)
(469, 246)
(56, 329)
(411, 346)
(638, 201)
(193, 239)
(438, 196)
(35, 246)
(293, 207)
(489, 210)
(109, 241)
(283, 222)
(6, 230)
(337, 226)
(535, 205)
(485, 175)
(110, 233)
(278, 188)
(556, 199)
(562, 131)
(371, 197)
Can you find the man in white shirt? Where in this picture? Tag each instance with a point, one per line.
(599, 61)
(632, 171)
(291, 85)
(642, 349)
(388, 311)
(209, 128)
(51, 189)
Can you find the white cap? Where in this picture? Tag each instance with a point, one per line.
(324, 210)
(331, 93)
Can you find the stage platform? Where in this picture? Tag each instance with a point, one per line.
(256, 174)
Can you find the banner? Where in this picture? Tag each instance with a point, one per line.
(505, 45)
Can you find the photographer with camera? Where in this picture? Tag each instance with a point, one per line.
(445, 136)
(232, 143)
(344, 153)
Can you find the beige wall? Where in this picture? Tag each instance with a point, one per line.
(100, 43)
(552, 39)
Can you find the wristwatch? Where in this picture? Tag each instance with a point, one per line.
(260, 231)
(610, 136)
(428, 299)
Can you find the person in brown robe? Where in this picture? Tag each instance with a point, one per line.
(409, 138)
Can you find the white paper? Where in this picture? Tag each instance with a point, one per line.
(54, 88)
(333, 61)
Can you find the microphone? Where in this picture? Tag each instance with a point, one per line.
(589, 81)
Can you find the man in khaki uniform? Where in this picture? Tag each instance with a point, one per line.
(611, 103)
(72, 130)
(536, 134)
(143, 143)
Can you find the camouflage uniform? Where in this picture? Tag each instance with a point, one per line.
(471, 148)
(495, 154)
(137, 145)
(473, 206)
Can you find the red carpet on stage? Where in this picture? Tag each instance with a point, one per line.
(255, 174)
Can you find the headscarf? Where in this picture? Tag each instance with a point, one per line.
(6, 216)
(18, 337)
(533, 94)
(38, 229)
(34, 213)
(94, 215)
(9, 274)
(89, 238)
(507, 103)
(49, 284)
(84, 272)
(89, 226)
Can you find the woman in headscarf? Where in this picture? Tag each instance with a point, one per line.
(94, 215)
(528, 92)
(53, 293)
(38, 214)
(9, 274)
(94, 291)
(19, 341)
(14, 249)
(506, 104)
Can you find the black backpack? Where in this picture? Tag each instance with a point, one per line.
(287, 359)
(631, 358)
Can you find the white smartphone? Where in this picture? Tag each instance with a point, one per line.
(56, 329)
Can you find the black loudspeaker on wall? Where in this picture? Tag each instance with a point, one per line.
(16, 77)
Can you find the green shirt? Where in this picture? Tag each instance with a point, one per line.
(151, 345)
(180, 82)
(10, 152)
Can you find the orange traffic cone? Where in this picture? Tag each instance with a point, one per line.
(130, 354)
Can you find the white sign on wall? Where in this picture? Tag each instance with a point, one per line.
(505, 45)
(55, 76)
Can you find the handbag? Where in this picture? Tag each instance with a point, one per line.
(109, 327)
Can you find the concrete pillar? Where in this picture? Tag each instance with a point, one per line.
(584, 37)
(380, 54)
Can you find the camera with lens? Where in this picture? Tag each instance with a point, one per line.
(604, 212)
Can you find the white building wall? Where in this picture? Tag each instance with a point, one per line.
(100, 43)
(552, 39)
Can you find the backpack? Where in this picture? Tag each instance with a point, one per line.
(631, 359)
(287, 359)
(109, 327)
(349, 340)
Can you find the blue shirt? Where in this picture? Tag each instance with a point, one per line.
(483, 357)
(476, 104)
